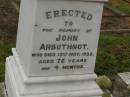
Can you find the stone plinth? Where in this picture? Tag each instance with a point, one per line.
(61, 86)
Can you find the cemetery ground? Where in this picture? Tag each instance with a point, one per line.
(114, 47)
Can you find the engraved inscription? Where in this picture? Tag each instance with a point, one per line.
(65, 40)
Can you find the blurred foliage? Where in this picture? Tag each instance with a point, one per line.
(106, 95)
(113, 54)
(121, 5)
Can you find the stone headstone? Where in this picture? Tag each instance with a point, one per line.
(122, 85)
(56, 49)
(59, 40)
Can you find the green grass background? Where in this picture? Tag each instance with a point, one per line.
(5, 50)
(113, 54)
(120, 5)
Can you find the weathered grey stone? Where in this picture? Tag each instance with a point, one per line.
(121, 85)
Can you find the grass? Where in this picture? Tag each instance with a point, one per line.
(5, 50)
(113, 54)
(121, 5)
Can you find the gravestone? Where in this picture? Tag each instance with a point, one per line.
(56, 49)
(122, 85)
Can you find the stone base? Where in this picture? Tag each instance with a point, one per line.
(19, 85)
